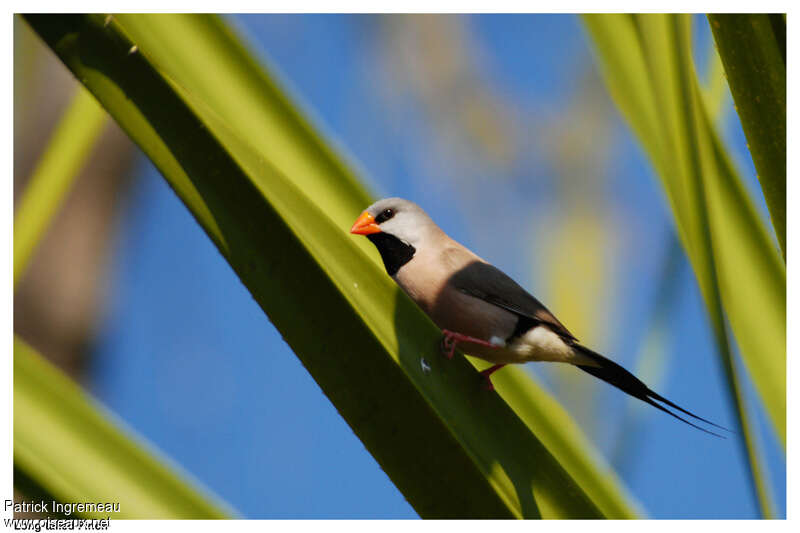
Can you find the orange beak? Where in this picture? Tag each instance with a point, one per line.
(365, 225)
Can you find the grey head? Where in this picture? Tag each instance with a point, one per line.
(403, 219)
(400, 227)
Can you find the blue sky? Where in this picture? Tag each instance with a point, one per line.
(190, 361)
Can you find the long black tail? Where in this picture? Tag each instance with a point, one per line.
(612, 373)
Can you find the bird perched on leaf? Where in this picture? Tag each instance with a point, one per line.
(479, 307)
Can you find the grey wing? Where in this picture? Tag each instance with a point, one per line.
(490, 284)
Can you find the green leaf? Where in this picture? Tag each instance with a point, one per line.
(549, 421)
(715, 91)
(57, 169)
(647, 65)
(203, 55)
(753, 52)
(78, 452)
(451, 448)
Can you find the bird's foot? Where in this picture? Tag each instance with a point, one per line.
(487, 375)
(451, 340)
(448, 345)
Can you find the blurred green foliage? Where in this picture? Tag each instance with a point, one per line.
(148, 72)
(647, 65)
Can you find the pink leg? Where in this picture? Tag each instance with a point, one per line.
(488, 372)
(451, 339)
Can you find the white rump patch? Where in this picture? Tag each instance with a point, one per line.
(497, 341)
(542, 344)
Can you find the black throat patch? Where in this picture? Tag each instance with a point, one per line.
(394, 252)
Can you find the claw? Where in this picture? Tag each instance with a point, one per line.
(487, 375)
(451, 339)
(448, 345)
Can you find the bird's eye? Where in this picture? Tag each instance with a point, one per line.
(385, 215)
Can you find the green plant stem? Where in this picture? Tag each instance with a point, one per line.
(753, 52)
(55, 172)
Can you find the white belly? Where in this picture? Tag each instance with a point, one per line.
(541, 344)
(538, 344)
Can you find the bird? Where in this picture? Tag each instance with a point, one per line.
(480, 308)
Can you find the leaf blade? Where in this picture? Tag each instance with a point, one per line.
(717, 223)
(57, 169)
(79, 433)
(753, 52)
(235, 192)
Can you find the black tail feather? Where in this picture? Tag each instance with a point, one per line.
(614, 374)
(682, 410)
(670, 413)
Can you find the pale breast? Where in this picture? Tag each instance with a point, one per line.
(425, 280)
(425, 277)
